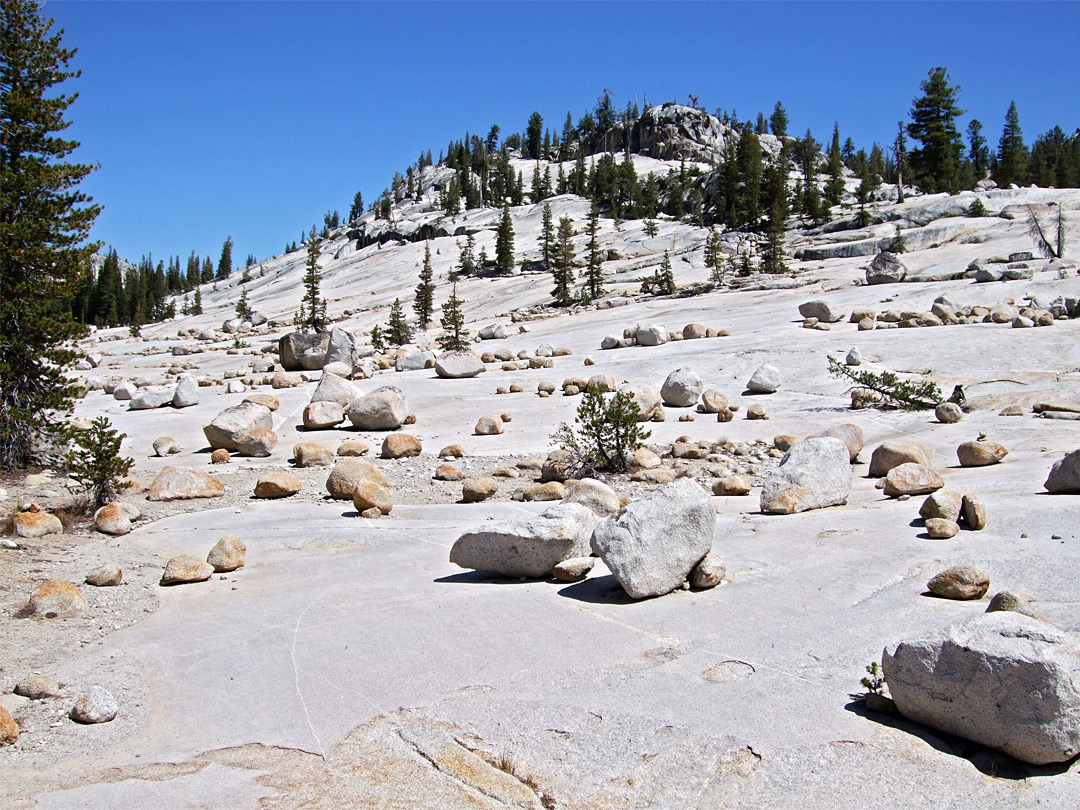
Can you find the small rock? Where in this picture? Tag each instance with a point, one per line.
(323, 415)
(596, 495)
(347, 473)
(757, 411)
(185, 568)
(112, 519)
(945, 503)
(912, 479)
(1065, 475)
(353, 449)
(277, 485)
(165, 446)
(227, 554)
(980, 454)
(95, 706)
(646, 459)
(180, 483)
(37, 687)
(973, 512)
(548, 491)
(1007, 601)
(731, 485)
(885, 268)
(55, 598)
(220, 456)
(708, 573)
(892, 454)
(766, 380)
(681, 389)
(574, 569)
(445, 472)
(258, 442)
(659, 475)
(36, 524)
(9, 729)
(108, 576)
(312, 454)
(959, 582)
(942, 528)
(854, 357)
(369, 495)
(452, 451)
(400, 445)
(475, 490)
(948, 413)
(815, 473)
(489, 425)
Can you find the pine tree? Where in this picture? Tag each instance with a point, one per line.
(534, 132)
(936, 165)
(663, 280)
(224, 267)
(196, 303)
(455, 338)
(978, 151)
(778, 121)
(834, 186)
(312, 312)
(243, 309)
(594, 274)
(751, 169)
(397, 330)
(1012, 155)
(563, 263)
(504, 244)
(357, 209)
(466, 265)
(425, 290)
(44, 224)
(772, 258)
(714, 257)
(547, 238)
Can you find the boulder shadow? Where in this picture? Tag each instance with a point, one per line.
(484, 577)
(602, 590)
(988, 761)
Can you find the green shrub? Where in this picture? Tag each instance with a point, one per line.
(606, 432)
(895, 392)
(95, 462)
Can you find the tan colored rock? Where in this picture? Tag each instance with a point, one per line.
(258, 442)
(323, 415)
(36, 524)
(180, 483)
(186, 568)
(973, 512)
(369, 495)
(694, 331)
(980, 454)
(948, 413)
(549, 491)
(277, 485)
(945, 503)
(1009, 601)
(573, 569)
(55, 598)
(227, 554)
(452, 451)
(220, 456)
(37, 687)
(446, 472)
(912, 479)
(596, 495)
(959, 582)
(658, 475)
(312, 454)
(892, 454)
(941, 528)
(266, 400)
(475, 490)
(713, 400)
(353, 449)
(708, 573)
(112, 519)
(106, 577)
(401, 445)
(688, 450)
(285, 379)
(852, 437)
(731, 485)
(646, 459)
(757, 411)
(9, 729)
(489, 425)
(349, 472)
(784, 442)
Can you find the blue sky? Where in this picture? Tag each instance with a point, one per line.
(252, 119)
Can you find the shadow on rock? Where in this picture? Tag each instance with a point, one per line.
(604, 590)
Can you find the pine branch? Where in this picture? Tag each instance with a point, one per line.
(895, 392)
(1042, 244)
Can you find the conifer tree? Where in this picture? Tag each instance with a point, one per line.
(772, 258)
(44, 224)
(357, 209)
(663, 282)
(504, 243)
(563, 263)
(243, 308)
(466, 265)
(312, 312)
(196, 303)
(978, 151)
(594, 274)
(547, 238)
(397, 330)
(751, 168)
(834, 186)
(1012, 155)
(714, 257)
(224, 267)
(424, 301)
(455, 338)
(778, 121)
(534, 132)
(936, 165)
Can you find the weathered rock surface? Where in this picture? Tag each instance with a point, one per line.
(332, 388)
(401, 445)
(312, 454)
(152, 396)
(57, 598)
(106, 577)
(383, 409)
(227, 554)
(973, 512)
(652, 545)
(36, 524)
(347, 473)
(813, 474)
(323, 415)
(945, 503)
(1001, 679)
(181, 483)
(885, 268)
(980, 454)
(475, 490)
(186, 568)
(682, 388)
(235, 421)
(912, 479)
(96, 705)
(822, 310)
(959, 582)
(37, 687)
(529, 547)
(596, 495)
(651, 335)
(369, 495)
(488, 425)
(852, 437)
(258, 442)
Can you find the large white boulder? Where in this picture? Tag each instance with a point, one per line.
(152, 396)
(651, 335)
(652, 545)
(235, 421)
(1065, 475)
(457, 365)
(186, 393)
(332, 388)
(813, 474)
(1001, 679)
(682, 388)
(530, 547)
(383, 409)
(766, 380)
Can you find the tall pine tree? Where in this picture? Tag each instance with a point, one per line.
(504, 243)
(1012, 155)
(936, 165)
(424, 301)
